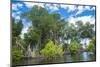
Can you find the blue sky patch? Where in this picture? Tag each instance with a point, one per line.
(68, 12)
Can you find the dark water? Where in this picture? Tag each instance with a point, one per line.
(84, 56)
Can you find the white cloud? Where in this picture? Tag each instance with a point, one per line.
(31, 4)
(52, 7)
(19, 4)
(17, 17)
(70, 8)
(28, 4)
(93, 8)
(82, 9)
(63, 6)
(13, 14)
(18, 12)
(84, 19)
(78, 8)
(87, 7)
(26, 25)
(14, 7)
(25, 30)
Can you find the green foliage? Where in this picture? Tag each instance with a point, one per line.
(16, 55)
(91, 46)
(87, 30)
(51, 50)
(31, 38)
(74, 47)
(51, 26)
(16, 28)
(46, 29)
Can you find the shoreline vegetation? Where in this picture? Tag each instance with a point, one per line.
(50, 36)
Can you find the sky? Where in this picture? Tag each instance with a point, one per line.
(71, 13)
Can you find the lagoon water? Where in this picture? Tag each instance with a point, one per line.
(67, 58)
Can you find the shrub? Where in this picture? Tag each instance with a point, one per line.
(51, 50)
(16, 55)
(91, 46)
(74, 47)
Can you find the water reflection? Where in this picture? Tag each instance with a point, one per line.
(84, 56)
(87, 56)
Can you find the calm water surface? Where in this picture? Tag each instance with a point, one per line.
(84, 56)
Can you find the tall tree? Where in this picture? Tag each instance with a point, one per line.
(16, 31)
(85, 30)
(46, 24)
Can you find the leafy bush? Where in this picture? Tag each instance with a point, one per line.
(91, 46)
(74, 47)
(51, 50)
(16, 55)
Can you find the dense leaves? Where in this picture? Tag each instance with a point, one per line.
(51, 50)
(17, 42)
(16, 55)
(92, 45)
(44, 25)
(74, 47)
(16, 27)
